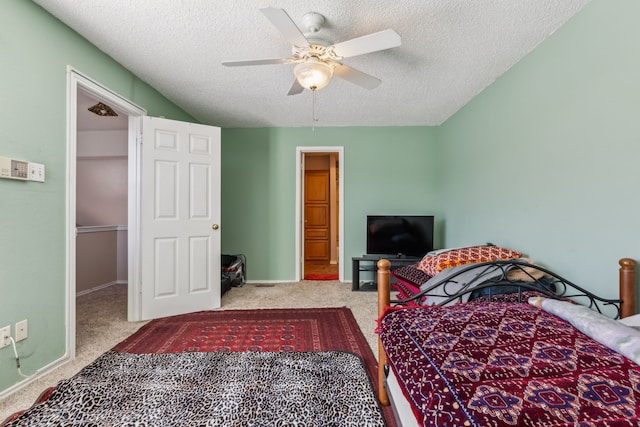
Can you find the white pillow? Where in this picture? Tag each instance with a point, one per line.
(612, 333)
(631, 320)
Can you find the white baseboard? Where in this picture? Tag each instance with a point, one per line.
(37, 375)
(270, 281)
(281, 281)
(99, 287)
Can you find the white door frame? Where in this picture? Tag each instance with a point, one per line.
(78, 81)
(300, 151)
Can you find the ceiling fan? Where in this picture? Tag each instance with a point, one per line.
(318, 60)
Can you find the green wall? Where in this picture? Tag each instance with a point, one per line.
(35, 50)
(386, 171)
(546, 159)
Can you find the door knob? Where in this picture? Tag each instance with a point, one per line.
(215, 226)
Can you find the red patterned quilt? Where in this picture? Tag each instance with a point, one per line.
(506, 364)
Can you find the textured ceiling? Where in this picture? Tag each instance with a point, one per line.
(451, 50)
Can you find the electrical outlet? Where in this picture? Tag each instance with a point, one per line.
(5, 334)
(22, 330)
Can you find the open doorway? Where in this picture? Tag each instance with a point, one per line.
(101, 196)
(319, 213)
(101, 211)
(190, 155)
(82, 126)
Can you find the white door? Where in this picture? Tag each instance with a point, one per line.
(180, 213)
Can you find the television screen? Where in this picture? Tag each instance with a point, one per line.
(398, 235)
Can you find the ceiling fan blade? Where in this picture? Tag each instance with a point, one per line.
(281, 20)
(370, 43)
(257, 62)
(296, 88)
(356, 77)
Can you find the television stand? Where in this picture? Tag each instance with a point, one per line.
(370, 263)
(379, 257)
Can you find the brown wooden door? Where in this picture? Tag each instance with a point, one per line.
(316, 216)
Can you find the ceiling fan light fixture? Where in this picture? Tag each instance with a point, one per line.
(313, 74)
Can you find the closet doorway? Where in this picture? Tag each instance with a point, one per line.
(319, 213)
(83, 92)
(101, 214)
(101, 196)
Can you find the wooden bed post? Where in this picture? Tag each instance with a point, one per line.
(383, 303)
(627, 287)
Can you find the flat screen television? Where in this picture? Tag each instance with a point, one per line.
(398, 235)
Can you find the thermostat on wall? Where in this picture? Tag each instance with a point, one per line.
(19, 169)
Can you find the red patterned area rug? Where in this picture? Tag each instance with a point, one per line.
(308, 329)
(321, 277)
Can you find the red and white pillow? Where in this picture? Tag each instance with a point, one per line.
(433, 264)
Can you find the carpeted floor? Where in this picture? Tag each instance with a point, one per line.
(101, 322)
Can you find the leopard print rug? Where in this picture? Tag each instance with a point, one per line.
(213, 389)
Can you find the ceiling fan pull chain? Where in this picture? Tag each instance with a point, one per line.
(315, 116)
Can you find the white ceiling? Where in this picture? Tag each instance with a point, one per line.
(451, 50)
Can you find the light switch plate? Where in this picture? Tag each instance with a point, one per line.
(36, 172)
